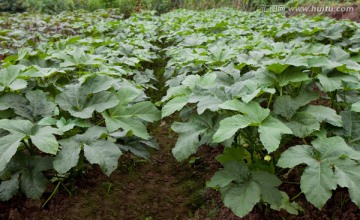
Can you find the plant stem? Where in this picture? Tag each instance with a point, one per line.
(67, 190)
(52, 194)
(296, 196)
(100, 122)
(304, 141)
(289, 182)
(28, 147)
(270, 99)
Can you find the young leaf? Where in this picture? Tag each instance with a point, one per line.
(287, 205)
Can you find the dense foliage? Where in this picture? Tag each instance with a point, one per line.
(275, 92)
(69, 101)
(278, 93)
(129, 6)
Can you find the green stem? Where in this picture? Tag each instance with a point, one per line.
(289, 182)
(281, 91)
(28, 146)
(296, 196)
(304, 141)
(52, 194)
(270, 99)
(100, 122)
(67, 190)
(333, 97)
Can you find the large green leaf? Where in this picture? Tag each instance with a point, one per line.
(42, 136)
(241, 199)
(8, 78)
(270, 133)
(9, 187)
(32, 181)
(323, 113)
(68, 156)
(128, 118)
(303, 124)
(189, 134)
(351, 123)
(252, 110)
(96, 150)
(104, 153)
(321, 176)
(174, 105)
(347, 175)
(44, 139)
(34, 107)
(38, 106)
(146, 111)
(229, 126)
(317, 183)
(286, 106)
(287, 205)
(17, 126)
(76, 57)
(242, 188)
(297, 155)
(75, 100)
(268, 184)
(291, 76)
(8, 147)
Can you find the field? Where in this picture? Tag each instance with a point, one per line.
(216, 114)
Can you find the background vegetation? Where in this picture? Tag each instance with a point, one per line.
(127, 6)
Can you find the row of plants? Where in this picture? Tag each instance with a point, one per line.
(280, 94)
(67, 102)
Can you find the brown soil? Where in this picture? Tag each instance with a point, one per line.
(158, 189)
(162, 189)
